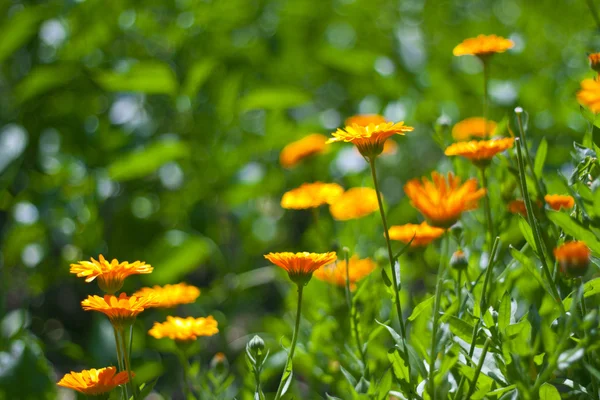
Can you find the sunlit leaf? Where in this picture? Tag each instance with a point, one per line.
(145, 77)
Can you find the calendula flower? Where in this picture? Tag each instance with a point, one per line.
(558, 201)
(594, 59)
(442, 201)
(480, 152)
(473, 128)
(121, 311)
(300, 266)
(589, 95)
(354, 203)
(369, 139)
(365, 120)
(110, 275)
(311, 195)
(297, 151)
(94, 382)
(336, 273)
(483, 45)
(517, 207)
(423, 233)
(184, 329)
(170, 295)
(573, 258)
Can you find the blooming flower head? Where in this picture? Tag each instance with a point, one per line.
(300, 266)
(365, 120)
(121, 311)
(369, 139)
(336, 273)
(423, 233)
(110, 274)
(311, 195)
(480, 152)
(354, 203)
(594, 59)
(483, 45)
(184, 329)
(573, 258)
(517, 207)
(442, 201)
(297, 151)
(473, 128)
(94, 382)
(558, 201)
(589, 95)
(170, 295)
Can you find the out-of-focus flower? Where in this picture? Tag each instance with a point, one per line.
(369, 139)
(517, 207)
(94, 382)
(121, 311)
(336, 273)
(480, 152)
(297, 151)
(170, 295)
(354, 203)
(459, 260)
(558, 201)
(110, 275)
(442, 201)
(423, 233)
(300, 266)
(573, 258)
(184, 329)
(473, 128)
(483, 45)
(311, 195)
(594, 59)
(365, 120)
(589, 95)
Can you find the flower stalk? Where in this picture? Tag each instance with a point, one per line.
(352, 311)
(127, 362)
(120, 360)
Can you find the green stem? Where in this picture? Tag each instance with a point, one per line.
(486, 204)
(594, 12)
(120, 360)
(540, 189)
(478, 370)
(353, 316)
(486, 77)
(588, 359)
(288, 363)
(459, 291)
(128, 365)
(185, 365)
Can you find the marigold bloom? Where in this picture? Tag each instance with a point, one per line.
(297, 151)
(473, 128)
(94, 382)
(423, 233)
(480, 152)
(517, 207)
(443, 201)
(483, 45)
(336, 273)
(184, 329)
(121, 311)
(365, 120)
(558, 201)
(589, 95)
(354, 203)
(573, 257)
(594, 59)
(300, 266)
(311, 195)
(369, 139)
(110, 274)
(170, 295)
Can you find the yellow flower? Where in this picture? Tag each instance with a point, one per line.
(483, 45)
(480, 152)
(558, 201)
(300, 266)
(573, 257)
(365, 120)
(170, 295)
(594, 59)
(423, 233)
(336, 273)
(354, 203)
(121, 311)
(94, 382)
(184, 329)
(297, 151)
(369, 139)
(589, 95)
(443, 201)
(311, 195)
(473, 128)
(110, 274)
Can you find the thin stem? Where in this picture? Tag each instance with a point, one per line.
(486, 204)
(594, 12)
(288, 363)
(459, 290)
(186, 373)
(523, 137)
(588, 359)
(120, 360)
(353, 314)
(128, 365)
(478, 370)
(486, 77)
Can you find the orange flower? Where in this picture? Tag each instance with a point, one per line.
(483, 45)
(110, 274)
(369, 139)
(184, 329)
(558, 201)
(354, 203)
(423, 233)
(473, 128)
(594, 59)
(365, 120)
(170, 295)
(300, 266)
(442, 202)
(311, 195)
(517, 207)
(297, 151)
(589, 95)
(480, 152)
(336, 273)
(573, 257)
(94, 382)
(121, 311)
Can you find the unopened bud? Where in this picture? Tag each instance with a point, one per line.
(459, 260)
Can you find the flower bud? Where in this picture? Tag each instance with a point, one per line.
(573, 258)
(594, 59)
(459, 260)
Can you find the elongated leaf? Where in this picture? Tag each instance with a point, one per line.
(145, 77)
(461, 328)
(527, 232)
(140, 163)
(422, 306)
(399, 366)
(540, 158)
(504, 312)
(18, 29)
(528, 264)
(197, 75)
(43, 79)
(274, 99)
(575, 229)
(351, 379)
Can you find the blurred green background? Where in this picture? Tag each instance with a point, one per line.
(151, 131)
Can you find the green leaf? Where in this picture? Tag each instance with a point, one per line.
(42, 79)
(528, 264)
(549, 392)
(590, 288)
(504, 312)
(18, 29)
(461, 328)
(278, 98)
(330, 397)
(146, 77)
(386, 278)
(539, 359)
(527, 232)
(575, 229)
(484, 383)
(197, 76)
(351, 379)
(399, 366)
(540, 158)
(422, 306)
